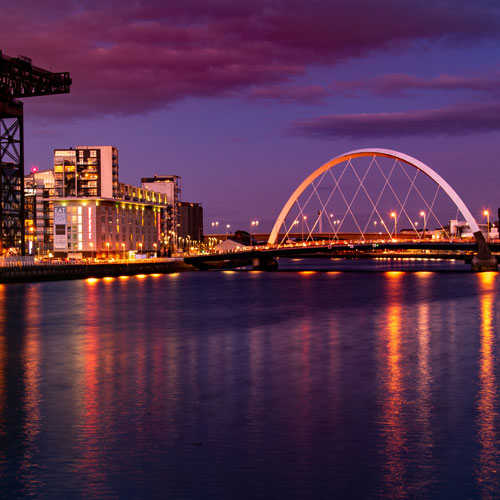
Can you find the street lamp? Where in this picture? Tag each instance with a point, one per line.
(154, 246)
(393, 214)
(227, 228)
(304, 218)
(422, 214)
(123, 250)
(91, 250)
(254, 223)
(140, 248)
(487, 214)
(107, 244)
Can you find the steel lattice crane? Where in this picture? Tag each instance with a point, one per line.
(18, 79)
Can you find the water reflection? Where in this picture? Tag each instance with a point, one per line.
(31, 362)
(393, 402)
(487, 406)
(269, 385)
(2, 357)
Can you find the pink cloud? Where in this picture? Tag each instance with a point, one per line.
(306, 94)
(447, 121)
(402, 84)
(132, 57)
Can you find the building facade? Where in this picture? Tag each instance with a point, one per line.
(81, 209)
(38, 193)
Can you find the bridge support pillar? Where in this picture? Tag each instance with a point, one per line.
(484, 260)
(264, 264)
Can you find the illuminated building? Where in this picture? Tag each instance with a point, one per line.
(95, 215)
(86, 171)
(38, 191)
(191, 220)
(79, 209)
(169, 185)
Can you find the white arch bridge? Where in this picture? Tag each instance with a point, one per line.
(368, 193)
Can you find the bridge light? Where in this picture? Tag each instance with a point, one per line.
(393, 214)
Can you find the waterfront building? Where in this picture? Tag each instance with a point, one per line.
(80, 209)
(38, 193)
(99, 227)
(86, 171)
(170, 186)
(190, 222)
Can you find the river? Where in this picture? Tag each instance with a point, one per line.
(347, 379)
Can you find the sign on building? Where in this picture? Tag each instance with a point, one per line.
(60, 236)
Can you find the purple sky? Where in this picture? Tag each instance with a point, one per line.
(244, 99)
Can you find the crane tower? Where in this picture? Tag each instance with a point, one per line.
(18, 79)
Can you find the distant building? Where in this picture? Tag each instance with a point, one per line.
(170, 186)
(191, 220)
(461, 229)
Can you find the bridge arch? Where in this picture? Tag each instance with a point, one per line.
(413, 162)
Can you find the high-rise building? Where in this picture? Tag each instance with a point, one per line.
(86, 171)
(38, 191)
(191, 220)
(170, 186)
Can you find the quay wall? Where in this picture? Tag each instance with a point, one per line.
(27, 273)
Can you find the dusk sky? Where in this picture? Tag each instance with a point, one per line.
(244, 99)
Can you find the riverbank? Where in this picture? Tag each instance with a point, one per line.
(52, 272)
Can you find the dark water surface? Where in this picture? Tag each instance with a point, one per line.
(229, 385)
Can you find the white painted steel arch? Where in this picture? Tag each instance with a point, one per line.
(373, 152)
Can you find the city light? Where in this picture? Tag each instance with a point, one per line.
(393, 214)
(487, 214)
(254, 223)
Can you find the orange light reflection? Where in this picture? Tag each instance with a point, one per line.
(393, 400)
(487, 473)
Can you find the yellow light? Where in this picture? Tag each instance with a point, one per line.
(108, 278)
(393, 214)
(140, 276)
(92, 281)
(123, 277)
(486, 213)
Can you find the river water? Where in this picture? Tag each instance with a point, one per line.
(370, 380)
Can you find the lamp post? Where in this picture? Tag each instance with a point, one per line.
(254, 223)
(227, 229)
(91, 251)
(393, 214)
(487, 214)
(107, 244)
(154, 246)
(304, 218)
(422, 214)
(140, 248)
(123, 250)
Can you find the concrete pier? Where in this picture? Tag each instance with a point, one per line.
(484, 260)
(51, 272)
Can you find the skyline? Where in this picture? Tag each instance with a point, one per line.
(244, 101)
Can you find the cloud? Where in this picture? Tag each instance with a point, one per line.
(402, 84)
(132, 57)
(447, 121)
(310, 94)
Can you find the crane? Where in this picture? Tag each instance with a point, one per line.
(19, 78)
